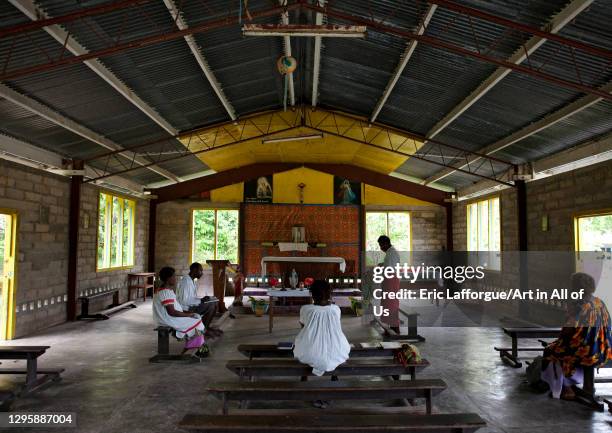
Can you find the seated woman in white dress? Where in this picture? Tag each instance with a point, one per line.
(167, 311)
(321, 342)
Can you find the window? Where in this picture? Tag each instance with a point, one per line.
(394, 224)
(594, 232)
(484, 231)
(115, 232)
(214, 235)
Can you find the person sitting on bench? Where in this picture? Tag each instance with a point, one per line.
(321, 342)
(187, 295)
(167, 311)
(585, 340)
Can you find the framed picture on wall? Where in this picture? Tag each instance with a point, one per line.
(346, 191)
(258, 190)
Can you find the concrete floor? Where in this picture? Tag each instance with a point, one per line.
(112, 387)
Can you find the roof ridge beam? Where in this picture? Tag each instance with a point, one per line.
(404, 59)
(554, 25)
(35, 12)
(316, 67)
(531, 129)
(177, 17)
(59, 119)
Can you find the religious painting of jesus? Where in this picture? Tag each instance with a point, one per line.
(346, 192)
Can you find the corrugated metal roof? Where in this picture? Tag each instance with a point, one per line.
(353, 76)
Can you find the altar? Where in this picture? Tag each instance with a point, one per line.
(301, 259)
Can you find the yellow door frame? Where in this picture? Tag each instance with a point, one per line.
(9, 278)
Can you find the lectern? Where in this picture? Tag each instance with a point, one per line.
(218, 277)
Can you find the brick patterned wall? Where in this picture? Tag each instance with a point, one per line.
(173, 236)
(561, 197)
(42, 244)
(88, 278)
(428, 228)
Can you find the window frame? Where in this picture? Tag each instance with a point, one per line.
(215, 209)
(108, 233)
(501, 225)
(387, 211)
(586, 214)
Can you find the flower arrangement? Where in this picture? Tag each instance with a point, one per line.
(259, 306)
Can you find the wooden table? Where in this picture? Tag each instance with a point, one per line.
(302, 295)
(31, 355)
(140, 280)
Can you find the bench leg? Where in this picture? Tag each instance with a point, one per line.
(413, 373)
(163, 342)
(511, 358)
(224, 409)
(586, 394)
(428, 401)
(32, 366)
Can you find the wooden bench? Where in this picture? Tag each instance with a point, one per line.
(293, 367)
(31, 355)
(272, 351)
(102, 315)
(586, 394)
(413, 328)
(338, 422)
(163, 348)
(510, 354)
(333, 390)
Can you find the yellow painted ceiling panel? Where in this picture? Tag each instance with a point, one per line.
(342, 142)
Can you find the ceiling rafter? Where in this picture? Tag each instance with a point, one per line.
(554, 25)
(59, 119)
(529, 130)
(404, 59)
(35, 12)
(196, 50)
(372, 23)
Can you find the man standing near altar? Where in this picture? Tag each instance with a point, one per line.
(392, 258)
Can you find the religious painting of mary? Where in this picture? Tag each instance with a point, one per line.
(346, 192)
(258, 190)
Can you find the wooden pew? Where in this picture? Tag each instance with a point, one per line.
(163, 348)
(352, 367)
(510, 354)
(252, 351)
(324, 390)
(31, 355)
(327, 422)
(586, 394)
(105, 314)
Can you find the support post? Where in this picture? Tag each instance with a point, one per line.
(521, 202)
(449, 227)
(152, 234)
(73, 239)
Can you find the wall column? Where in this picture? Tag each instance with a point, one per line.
(152, 235)
(521, 202)
(74, 218)
(449, 226)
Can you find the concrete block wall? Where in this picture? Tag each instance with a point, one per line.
(173, 234)
(88, 278)
(41, 201)
(561, 198)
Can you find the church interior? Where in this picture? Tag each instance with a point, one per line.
(197, 197)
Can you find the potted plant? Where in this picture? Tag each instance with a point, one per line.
(356, 306)
(259, 306)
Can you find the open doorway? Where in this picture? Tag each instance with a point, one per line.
(8, 234)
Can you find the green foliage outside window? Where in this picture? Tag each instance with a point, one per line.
(215, 235)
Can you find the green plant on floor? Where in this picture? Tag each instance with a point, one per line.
(356, 306)
(259, 306)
